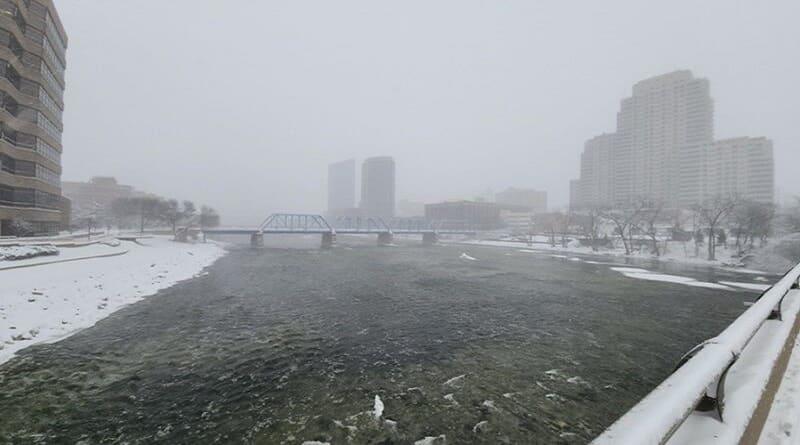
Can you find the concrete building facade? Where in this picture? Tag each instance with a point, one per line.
(32, 63)
(743, 167)
(378, 187)
(96, 196)
(664, 150)
(656, 128)
(341, 186)
(534, 201)
(460, 214)
(596, 183)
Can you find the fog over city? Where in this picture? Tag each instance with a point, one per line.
(243, 107)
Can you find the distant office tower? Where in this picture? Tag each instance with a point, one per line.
(597, 178)
(378, 187)
(341, 186)
(743, 167)
(663, 150)
(531, 200)
(32, 62)
(576, 199)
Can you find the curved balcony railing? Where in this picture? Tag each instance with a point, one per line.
(698, 383)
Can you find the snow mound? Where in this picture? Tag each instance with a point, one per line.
(14, 253)
(749, 286)
(641, 274)
(430, 440)
(377, 410)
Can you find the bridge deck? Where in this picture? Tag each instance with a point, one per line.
(250, 231)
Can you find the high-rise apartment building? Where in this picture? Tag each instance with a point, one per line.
(32, 63)
(664, 150)
(341, 186)
(742, 167)
(657, 128)
(378, 187)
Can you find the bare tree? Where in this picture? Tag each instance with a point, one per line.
(590, 226)
(711, 214)
(648, 217)
(189, 210)
(793, 216)
(124, 209)
(208, 217)
(752, 221)
(550, 223)
(564, 223)
(173, 214)
(624, 221)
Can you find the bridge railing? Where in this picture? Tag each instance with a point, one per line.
(295, 222)
(702, 371)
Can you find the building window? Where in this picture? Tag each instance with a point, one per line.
(51, 80)
(49, 128)
(48, 176)
(49, 103)
(50, 153)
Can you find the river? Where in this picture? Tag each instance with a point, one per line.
(286, 345)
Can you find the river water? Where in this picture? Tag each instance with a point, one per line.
(290, 345)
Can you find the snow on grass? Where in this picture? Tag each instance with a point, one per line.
(15, 253)
(49, 302)
(677, 252)
(641, 274)
(71, 253)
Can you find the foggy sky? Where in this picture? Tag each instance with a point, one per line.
(241, 104)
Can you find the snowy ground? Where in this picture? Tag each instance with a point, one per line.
(47, 302)
(676, 252)
(782, 423)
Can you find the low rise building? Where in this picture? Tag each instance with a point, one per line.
(459, 214)
(531, 199)
(96, 196)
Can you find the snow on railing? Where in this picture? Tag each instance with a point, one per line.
(702, 371)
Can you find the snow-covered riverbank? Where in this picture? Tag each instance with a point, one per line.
(49, 302)
(676, 253)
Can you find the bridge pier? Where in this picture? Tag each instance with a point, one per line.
(257, 240)
(430, 238)
(385, 238)
(328, 240)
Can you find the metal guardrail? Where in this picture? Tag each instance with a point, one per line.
(702, 371)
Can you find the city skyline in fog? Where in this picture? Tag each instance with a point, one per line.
(243, 108)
